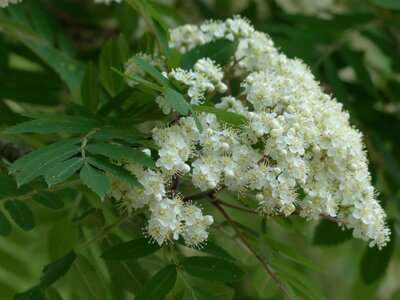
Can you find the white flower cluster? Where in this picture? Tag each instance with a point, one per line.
(296, 139)
(255, 50)
(5, 3)
(206, 76)
(170, 216)
(295, 151)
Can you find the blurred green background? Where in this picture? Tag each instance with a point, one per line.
(352, 47)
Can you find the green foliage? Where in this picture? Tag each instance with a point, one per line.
(196, 293)
(5, 226)
(49, 200)
(120, 152)
(95, 180)
(89, 88)
(375, 262)
(225, 116)
(20, 213)
(211, 268)
(176, 101)
(328, 233)
(130, 275)
(51, 273)
(110, 57)
(393, 4)
(85, 281)
(131, 250)
(58, 268)
(159, 285)
(53, 123)
(117, 171)
(151, 71)
(220, 51)
(61, 171)
(37, 162)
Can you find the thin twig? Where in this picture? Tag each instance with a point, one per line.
(251, 248)
(209, 195)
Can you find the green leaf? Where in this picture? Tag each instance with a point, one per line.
(52, 294)
(211, 248)
(91, 218)
(117, 171)
(162, 38)
(55, 270)
(85, 280)
(220, 51)
(329, 233)
(124, 48)
(120, 152)
(337, 86)
(355, 60)
(375, 262)
(7, 186)
(127, 274)
(5, 225)
(90, 88)
(62, 236)
(37, 162)
(107, 134)
(196, 293)
(54, 123)
(127, 19)
(196, 119)
(303, 287)
(390, 162)
(110, 57)
(34, 293)
(211, 268)
(69, 69)
(154, 22)
(391, 4)
(95, 180)
(215, 250)
(152, 71)
(61, 171)
(223, 115)
(20, 213)
(176, 101)
(159, 285)
(289, 252)
(49, 200)
(131, 250)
